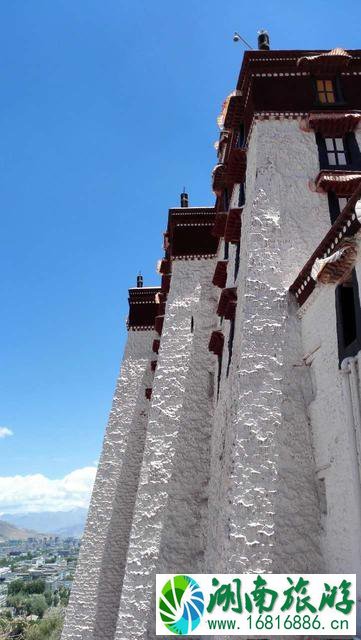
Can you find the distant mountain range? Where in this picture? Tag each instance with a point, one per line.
(61, 523)
(10, 532)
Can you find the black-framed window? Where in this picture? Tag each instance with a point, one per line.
(230, 344)
(336, 205)
(236, 260)
(348, 315)
(241, 195)
(339, 153)
(336, 152)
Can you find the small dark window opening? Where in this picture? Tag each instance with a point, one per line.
(226, 251)
(225, 198)
(348, 315)
(240, 137)
(219, 374)
(236, 260)
(192, 324)
(241, 195)
(230, 344)
(322, 496)
(336, 205)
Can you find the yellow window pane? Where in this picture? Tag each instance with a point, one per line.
(320, 86)
(329, 85)
(330, 97)
(322, 97)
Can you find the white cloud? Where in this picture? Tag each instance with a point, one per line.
(38, 493)
(5, 432)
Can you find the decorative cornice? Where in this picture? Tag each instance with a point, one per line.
(219, 224)
(347, 224)
(343, 183)
(189, 233)
(220, 274)
(331, 123)
(216, 342)
(232, 232)
(142, 308)
(219, 178)
(332, 61)
(227, 303)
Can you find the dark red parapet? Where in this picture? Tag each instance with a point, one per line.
(236, 166)
(232, 231)
(190, 233)
(333, 124)
(216, 343)
(165, 266)
(159, 324)
(328, 62)
(343, 183)
(148, 393)
(219, 178)
(234, 112)
(143, 307)
(346, 225)
(165, 286)
(227, 303)
(156, 345)
(220, 274)
(219, 224)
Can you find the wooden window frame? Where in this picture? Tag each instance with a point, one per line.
(336, 91)
(351, 150)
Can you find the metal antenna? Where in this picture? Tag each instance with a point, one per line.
(237, 37)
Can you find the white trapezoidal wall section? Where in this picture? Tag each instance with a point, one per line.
(93, 606)
(183, 370)
(335, 435)
(264, 513)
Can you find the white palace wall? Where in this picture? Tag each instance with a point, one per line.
(168, 531)
(95, 594)
(262, 477)
(334, 437)
(263, 486)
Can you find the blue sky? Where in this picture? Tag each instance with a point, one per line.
(107, 109)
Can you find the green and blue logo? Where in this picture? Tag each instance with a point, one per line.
(181, 605)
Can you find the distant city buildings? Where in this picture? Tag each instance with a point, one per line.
(51, 559)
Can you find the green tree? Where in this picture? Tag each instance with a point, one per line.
(19, 601)
(16, 586)
(35, 586)
(37, 605)
(64, 594)
(47, 629)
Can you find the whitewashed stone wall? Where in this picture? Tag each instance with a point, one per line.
(262, 477)
(168, 530)
(94, 602)
(334, 445)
